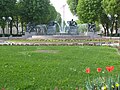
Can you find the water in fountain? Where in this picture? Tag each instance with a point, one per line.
(58, 26)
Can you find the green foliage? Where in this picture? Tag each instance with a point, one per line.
(73, 6)
(88, 11)
(7, 8)
(2, 23)
(111, 6)
(97, 26)
(92, 11)
(53, 13)
(35, 11)
(103, 83)
(32, 68)
(24, 11)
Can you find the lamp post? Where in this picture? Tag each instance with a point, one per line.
(3, 27)
(9, 23)
(8, 20)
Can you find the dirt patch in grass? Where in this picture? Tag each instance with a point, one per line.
(47, 51)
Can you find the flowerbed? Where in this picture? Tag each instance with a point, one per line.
(110, 82)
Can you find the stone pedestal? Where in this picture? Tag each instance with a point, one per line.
(27, 34)
(73, 30)
(92, 34)
(51, 30)
(41, 29)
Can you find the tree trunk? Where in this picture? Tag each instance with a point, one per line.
(116, 29)
(111, 30)
(17, 24)
(3, 29)
(22, 27)
(104, 28)
(107, 28)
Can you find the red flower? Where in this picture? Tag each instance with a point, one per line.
(99, 69)
(112, 68)
(87, 70)
(109, 69)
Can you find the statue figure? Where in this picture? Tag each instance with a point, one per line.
(72, 28)
(72, 23)
(30, 27)
(91, 27)
(51, 28)
(51, 23)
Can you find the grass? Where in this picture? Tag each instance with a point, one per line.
(22, 68)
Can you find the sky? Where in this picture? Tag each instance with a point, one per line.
(58, 4)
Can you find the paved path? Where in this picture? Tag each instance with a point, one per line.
(2, 41)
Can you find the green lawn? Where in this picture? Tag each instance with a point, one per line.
(27, 68)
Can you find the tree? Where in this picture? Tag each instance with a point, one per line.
(112, 7)
(91, 11)
(88, 10)
(7, 8)
(53, 14)
(36, 11)
(24, 11)
(104, 20)
(73, 6)
(16, 17)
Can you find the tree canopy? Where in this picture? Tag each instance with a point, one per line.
(37, 11)
(73, 6)
(88, 10)
(7, 7)
(112, 9)
(91, 10)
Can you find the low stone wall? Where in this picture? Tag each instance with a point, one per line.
(61, 44)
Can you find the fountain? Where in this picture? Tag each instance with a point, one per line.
(51, 29)
(73, 28)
